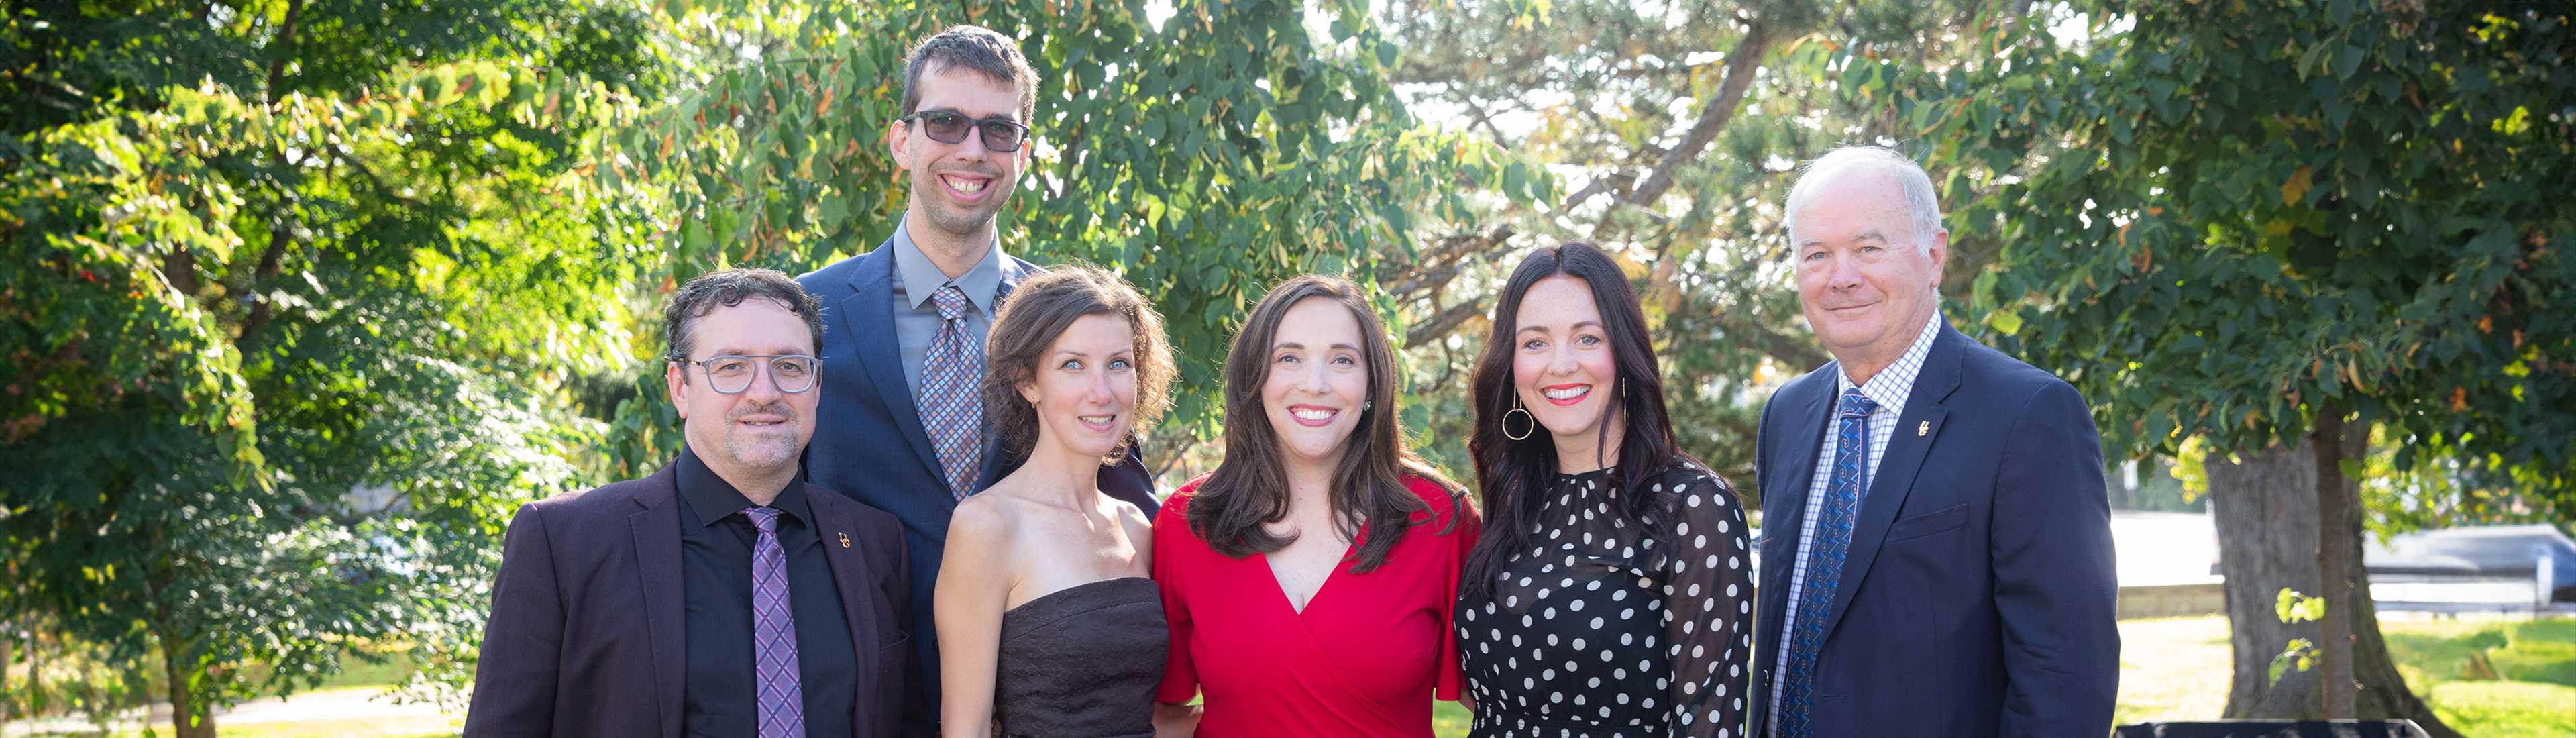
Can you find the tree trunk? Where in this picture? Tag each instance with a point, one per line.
(2266, 513)
(2336, 573)
(2266, 517)
(190, 717)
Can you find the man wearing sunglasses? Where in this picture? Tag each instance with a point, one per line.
(901, 427)
(719, 596)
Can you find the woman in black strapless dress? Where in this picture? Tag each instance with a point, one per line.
(1048, 625)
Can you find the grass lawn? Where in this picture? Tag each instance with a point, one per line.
(2177, 668)
(2170, 668)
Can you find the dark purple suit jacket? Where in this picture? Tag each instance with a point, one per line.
(586, 638)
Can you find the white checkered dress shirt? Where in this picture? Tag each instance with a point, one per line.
(1889, 389)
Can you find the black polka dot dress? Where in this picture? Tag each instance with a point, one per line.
(1595, 631)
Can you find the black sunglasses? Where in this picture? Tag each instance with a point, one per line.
(949, 127)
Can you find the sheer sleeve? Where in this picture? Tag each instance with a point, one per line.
(1708, 612)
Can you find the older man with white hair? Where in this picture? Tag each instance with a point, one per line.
(1936, 547)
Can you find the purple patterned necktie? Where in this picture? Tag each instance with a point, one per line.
(1825, 561)
(950, 407)
(773, 633)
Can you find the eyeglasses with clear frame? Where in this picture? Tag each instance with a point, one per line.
(731, 374)
(1001, 135)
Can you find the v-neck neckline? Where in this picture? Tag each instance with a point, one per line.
(1280, 586)
(1358, 536)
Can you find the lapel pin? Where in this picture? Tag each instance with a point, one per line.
(845, 540)
(1919, 431)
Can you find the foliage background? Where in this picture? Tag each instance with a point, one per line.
(302, 297)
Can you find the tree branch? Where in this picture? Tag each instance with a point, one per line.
(261, 308)
(278, 49)
(1440, 323)
(1482, 118)
(1740, 66)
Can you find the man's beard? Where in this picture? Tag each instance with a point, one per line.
(965, 221)
(767, 452)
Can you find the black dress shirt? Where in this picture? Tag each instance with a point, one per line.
(721, 687)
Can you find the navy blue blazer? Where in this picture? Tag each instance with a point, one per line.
(869, 442)
(1977, 598)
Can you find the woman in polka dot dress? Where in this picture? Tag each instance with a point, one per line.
(1600, 602)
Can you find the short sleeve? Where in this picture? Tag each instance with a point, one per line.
(1708, 591)
(1173, 543)
(1464, 528)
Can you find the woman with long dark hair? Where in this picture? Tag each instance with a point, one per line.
(1308, 580)
(1611, 593)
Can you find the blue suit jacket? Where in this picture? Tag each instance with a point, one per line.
(870, 445)
(1977, 598)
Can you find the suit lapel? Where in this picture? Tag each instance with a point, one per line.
(867, 316)
(1895, 477)
(851, 575)
(994, 464)
(1784, 506)
(1786, 499)
(657, 560)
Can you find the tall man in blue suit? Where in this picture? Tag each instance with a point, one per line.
(901, 427)
(1936, 547)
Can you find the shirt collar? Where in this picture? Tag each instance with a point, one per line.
(1890, 386)
(919, 278)
(713, 499)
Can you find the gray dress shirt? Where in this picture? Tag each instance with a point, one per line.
(916, 318)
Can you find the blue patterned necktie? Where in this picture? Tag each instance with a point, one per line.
(952, 410)
(1825, 560)
(773, 633)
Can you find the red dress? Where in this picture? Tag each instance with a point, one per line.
(1364, 659)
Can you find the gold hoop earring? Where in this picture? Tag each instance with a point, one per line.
(1525, 414)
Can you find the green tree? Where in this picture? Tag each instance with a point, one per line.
(290, 289)
(1678, 127)
(1204, 154)
(2275, 228)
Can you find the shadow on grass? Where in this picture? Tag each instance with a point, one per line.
(2533, 651)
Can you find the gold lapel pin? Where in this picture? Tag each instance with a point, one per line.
(1919, 431)
(845, 540)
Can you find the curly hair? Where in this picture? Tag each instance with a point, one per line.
(727, 288)
(1034, 315)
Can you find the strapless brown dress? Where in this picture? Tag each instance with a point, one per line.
(1082, 662)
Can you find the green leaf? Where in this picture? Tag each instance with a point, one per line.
(2348, 61)
(2005, 320)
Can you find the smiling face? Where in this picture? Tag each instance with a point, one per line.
(1319, 380)
(1562, 367)
(1084, 390)
(957, 188)
(760, 432)
(1865, 282)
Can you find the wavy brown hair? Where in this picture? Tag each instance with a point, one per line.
(1512, 474)
(1250, 486)
(1034, 315)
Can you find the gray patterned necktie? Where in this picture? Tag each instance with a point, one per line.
(951, 408)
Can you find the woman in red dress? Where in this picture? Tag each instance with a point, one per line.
(1309, 579)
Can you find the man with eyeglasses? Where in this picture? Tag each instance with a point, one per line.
(719, 596)
(901, 426)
